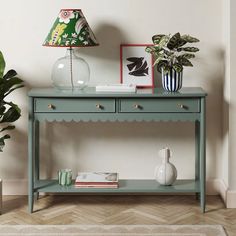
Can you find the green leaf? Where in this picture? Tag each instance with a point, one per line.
(11, 115)
(166, 69)
(6, 85)
(176, 41)
(162, 64)
(10, 74)
(9, 112)
(2, 65)
(178, 67)
(2, 142)
(157, 38)
(152, 49)
(163, 42)
(188, 49)
(14, 106)
(189, 39)
(9, 127)
(11, 90)
(188, 55)
(2, 109)
(6, 136)
(184, 61)
(160, 58)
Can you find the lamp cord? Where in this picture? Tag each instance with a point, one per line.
(71, 71)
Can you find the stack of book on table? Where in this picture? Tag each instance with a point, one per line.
(96, 180)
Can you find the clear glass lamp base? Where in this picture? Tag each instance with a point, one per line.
(70, 72)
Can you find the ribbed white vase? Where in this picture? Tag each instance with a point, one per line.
(166, 173)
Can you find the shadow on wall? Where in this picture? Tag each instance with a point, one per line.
(214, 85)
(109, 38)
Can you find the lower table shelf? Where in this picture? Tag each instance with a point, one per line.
(125, 186)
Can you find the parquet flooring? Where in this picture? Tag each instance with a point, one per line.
(129, 210)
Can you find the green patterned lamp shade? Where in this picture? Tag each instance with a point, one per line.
(70, 30)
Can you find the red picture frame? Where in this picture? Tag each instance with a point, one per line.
(136, 65)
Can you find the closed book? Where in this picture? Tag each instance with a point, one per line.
(97, 177)
(96, 186)
(96, 183)
(125, 88)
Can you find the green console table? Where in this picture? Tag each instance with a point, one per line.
(48, 104)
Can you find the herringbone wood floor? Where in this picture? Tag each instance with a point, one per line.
(118, 210)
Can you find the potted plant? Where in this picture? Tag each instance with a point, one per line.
(171, 54)
(9, 111)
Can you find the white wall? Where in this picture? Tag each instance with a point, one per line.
(224, 160)
(130, 149)
(232, 109)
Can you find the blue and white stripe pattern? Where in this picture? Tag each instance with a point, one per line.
(172, 81)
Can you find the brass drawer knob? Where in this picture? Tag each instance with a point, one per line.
(183, 106)
(51, 106)
(98, 106)
(137, 106)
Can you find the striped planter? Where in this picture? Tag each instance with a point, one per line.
(172, 81)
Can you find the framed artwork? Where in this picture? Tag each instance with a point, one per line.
(136, 65)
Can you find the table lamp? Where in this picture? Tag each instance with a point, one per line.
(70, 30)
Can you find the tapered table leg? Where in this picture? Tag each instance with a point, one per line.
(31, 134)
(197, 152)
(36, 153)
(203, 156)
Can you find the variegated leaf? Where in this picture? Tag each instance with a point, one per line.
(164, 40)
(178, 67)
(189, 38)
(188, 55)
(162, 64)
(188, 49)
(184, 61)
(160, 58)
(153, 49)
(174, 41)
(157, 38)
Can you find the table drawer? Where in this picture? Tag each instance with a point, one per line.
(160, 105)
(92, 105)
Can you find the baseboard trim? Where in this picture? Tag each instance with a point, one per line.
(217, 187)
(231, 199)
(15, 187)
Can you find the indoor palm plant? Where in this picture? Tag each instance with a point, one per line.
(9, 111)
(171, 55)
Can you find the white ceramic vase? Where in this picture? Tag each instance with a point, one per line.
(166, 173)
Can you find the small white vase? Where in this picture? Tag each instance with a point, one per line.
(166, 173)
